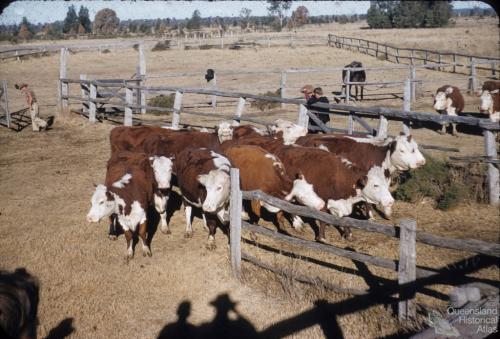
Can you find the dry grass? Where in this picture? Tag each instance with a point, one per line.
(46, 183)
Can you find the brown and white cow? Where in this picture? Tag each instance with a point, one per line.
(490, 99)
(203, 178)
(448, 100)
(128, 191)
(337, 181)
(261, 170)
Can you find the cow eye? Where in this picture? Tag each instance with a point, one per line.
(402, 150)
(219, 188)
(376, 186)
(413, 151)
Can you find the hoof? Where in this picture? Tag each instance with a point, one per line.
(321, 240)
(348, 236)
(188, 235)
(211, 246)
(166, 230)
(112, 237)
(146, 252)
(129, 257)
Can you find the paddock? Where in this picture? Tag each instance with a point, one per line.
(47, 183)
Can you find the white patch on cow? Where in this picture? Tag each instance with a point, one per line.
(225, 131)
(406, 155)
(217, 185)
(189, 227)
(171, 127)
(259, 131)
(376, 190)
(291, 131)
(137, 216)
(101, 207)
(495, 117)
(123, 181)
(441, 102)
(276, 161)
(304, 193)
(223, 215)
(269, 207)
(160, 206)
(196, 204)
(297, 222)
(204, 130)
(342, 207)
(346, 162)
(221, 162)
(162, 168)
(450, 109)
(323, 147)
(373, 141)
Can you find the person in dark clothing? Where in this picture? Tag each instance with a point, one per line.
(317, 96)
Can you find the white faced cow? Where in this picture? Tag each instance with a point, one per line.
(448, 100)
(490, 100)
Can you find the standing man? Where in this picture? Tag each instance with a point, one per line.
(317, 96)
(37, 123)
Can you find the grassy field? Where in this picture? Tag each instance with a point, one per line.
(89, 291)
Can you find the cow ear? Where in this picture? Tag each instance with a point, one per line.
(300, 176)
(235, 123)
(361, 183)
(495, 91)
(449, 90)
(392, 146)
(433, 95)
(409, 138)
(95, 185)
(387, 173)
(202, 178)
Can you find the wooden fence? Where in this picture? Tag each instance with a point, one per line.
(90, 98)
(406, 231)
(414, 56)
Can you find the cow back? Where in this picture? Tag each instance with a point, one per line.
(172, 144)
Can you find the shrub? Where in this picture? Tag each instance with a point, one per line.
(105, 51)
(266, 105)
(206, 46)
(161, 46)
(446, 183)
(136, 47)
(166, 101)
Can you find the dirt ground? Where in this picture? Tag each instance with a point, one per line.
(89, 291)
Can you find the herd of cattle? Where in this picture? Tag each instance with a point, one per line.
(325, 172)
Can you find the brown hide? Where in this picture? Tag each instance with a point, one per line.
(493, 86)
(245, 131)
(123, 138)
(258, 171)
(457, 100)
(330, 178)
(361, 154)
(172, 144)
(188, 164)
(140, 187)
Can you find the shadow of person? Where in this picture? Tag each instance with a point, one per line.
(181, 328)
(222, 326)
(62, 330)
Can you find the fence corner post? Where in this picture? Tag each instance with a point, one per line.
(283, 88)
(240, 108)
(6, 102)
(176, 117)
(407, 105)
(63, 75)
(129, 99)
(85, 94)
(303, 119)
(235, 208)
(92, 104)
(472, 80)
(407, 269)
(493, 174)
(382, 127)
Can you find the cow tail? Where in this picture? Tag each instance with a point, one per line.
(280, 171)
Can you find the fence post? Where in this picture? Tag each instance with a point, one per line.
(303, 119)
(382, 127)
(454, 63)
(6, 106)
(222, 43)
(62, 75)
(176, 117)
(472, 80)
(493, 68)
(493, 172)
(397, 55)
(439, 61)
(85, 94)
(347, 86)
(413, 77)
(235, 208)
(214, 86)
(407, 105)
(142, 76)
(92, 104)
(411, 57)
(240, 108)
(386, 55)
(407, 268)
(350, 123)
(129, 99)
(283, 87)
(426, 56)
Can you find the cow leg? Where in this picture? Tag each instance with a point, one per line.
(146, 251)
(369, 210)
(362, 90)
(356, 90)
(280, 220)
(297, 223)
(443, 129)
(188, 209)
(454, 129)
(205, 227)
(112, 232)
(212, 226)
(130, 250)
(255, 208)
(320, 237)
(161, 208)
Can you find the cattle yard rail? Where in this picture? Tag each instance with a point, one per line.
(136, 103)
(406, 267)
(413, 56)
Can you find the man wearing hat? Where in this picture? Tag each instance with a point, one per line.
(313, 96)
(37, 123)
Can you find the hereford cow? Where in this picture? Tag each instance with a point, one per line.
(490, 99)
(129, 190)
(448, 100)
(18, 304)
(337, 181)
(203, 178)
(260, 170)
(354, 76)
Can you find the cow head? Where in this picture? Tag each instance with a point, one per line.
(103, 204)
(291, 131)
(304, 193)
(217, 184)
(405, 154)
(225, 130)
(162, 167)
(486, 105)
(375, 189)
(442, 99)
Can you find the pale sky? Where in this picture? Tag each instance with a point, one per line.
(49, 11)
